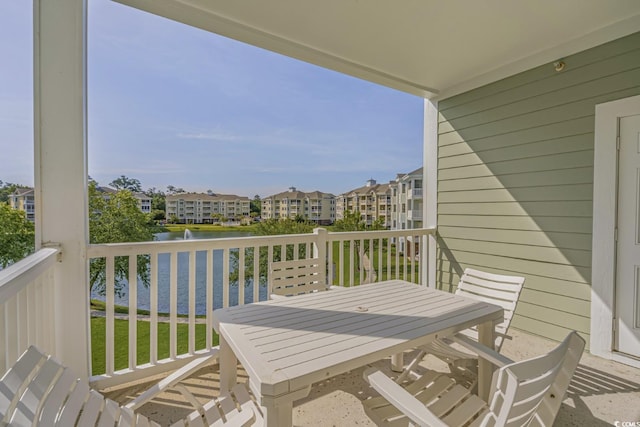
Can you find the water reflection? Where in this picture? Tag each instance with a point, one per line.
(201, 281)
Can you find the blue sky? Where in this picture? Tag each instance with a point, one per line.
(173, 105)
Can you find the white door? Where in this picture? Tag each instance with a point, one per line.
(628, 245)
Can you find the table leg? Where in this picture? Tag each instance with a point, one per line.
(397, 362)
(278, 415)
(486, 336)
(228, 366)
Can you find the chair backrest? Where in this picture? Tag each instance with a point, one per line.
(530, 392)
(495, 289)
(288, 278)
(38, 390)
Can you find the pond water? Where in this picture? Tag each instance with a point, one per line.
(164, 274)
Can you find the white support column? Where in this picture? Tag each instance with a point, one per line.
(60, 147)
(430, 189)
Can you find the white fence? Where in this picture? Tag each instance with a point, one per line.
(27, 312)
(189, 279)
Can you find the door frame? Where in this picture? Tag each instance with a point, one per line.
(605, 202)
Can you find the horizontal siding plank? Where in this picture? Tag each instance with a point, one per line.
(547, 330)
(551, 255)
(578, 241)
(543, 116)
(583, 175)
(597, 54)
(506, 109)
(563, 208)
(523, 194)
(576, 126)
(524, 266)
(554, 317)
(567, 144)
(526, 223)
(537, 164)
(448, 278)
(565, 304)
(556, 82)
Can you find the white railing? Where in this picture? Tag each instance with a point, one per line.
(27, 314)
(189, 279)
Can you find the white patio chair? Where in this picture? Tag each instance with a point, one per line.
(289, 278)
(527, 393)
(39, 391)
(479, 285)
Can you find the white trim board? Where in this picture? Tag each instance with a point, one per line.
(605, 173)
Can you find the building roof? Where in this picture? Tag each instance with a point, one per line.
(204, 196)
(292, 193)
(21, 192)
(370, 187)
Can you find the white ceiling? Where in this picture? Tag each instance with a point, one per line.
(431, 48)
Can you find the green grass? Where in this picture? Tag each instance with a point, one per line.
(388, 270)
(121, 339)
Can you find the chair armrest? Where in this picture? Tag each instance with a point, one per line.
(415, 410)
(173, 379)
(481, 350)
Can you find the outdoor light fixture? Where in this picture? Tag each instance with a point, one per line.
(559, 65)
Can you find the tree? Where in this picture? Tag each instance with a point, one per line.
(217, 217)
(270, 227)
(158, 200)
(124, 183)
(256, 206)
(352, 221)
(112, 220)
(7, 188)
(17, 236)
(174, 190)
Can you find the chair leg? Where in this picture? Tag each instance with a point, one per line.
(190, 397)
(407, 371)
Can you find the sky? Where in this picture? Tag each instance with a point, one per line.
(173, 105)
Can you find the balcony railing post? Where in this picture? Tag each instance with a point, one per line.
(320, 250)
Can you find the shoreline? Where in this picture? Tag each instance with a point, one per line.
(146, 317)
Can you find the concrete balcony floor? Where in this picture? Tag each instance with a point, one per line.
(601, 391)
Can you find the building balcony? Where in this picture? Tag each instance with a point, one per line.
(414, 214)
(415, 193)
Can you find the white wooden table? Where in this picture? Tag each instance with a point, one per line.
(286, 345)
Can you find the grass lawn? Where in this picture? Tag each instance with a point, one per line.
(388, 270)
(98, 340)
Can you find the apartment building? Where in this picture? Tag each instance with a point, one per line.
(144, 201)
(23, 199)
(315, 206)
(406, 202)
(200, 208)
(373, 201)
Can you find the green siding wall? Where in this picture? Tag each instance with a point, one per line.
(515, 181)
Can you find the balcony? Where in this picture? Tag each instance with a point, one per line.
(415, 193)
(414, 214)
(43, 299)
(27, 288)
